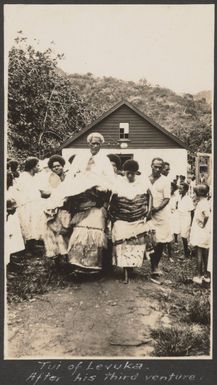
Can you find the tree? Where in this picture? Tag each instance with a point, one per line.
(43, 107)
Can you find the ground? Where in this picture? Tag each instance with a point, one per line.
(60, 316)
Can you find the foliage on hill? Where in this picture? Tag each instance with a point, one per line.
(45, 106)
(185, 116)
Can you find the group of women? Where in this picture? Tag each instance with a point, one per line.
(79, 212)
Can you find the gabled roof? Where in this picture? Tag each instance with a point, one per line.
(109, 112)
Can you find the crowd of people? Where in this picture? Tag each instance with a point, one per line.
(91, 213)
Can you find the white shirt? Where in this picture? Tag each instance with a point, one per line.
(160, 190)
(130, 190)
(99, 164)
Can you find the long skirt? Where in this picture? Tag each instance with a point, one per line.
(88, 240)
(13, 237)
(30, 219)
(55, 234)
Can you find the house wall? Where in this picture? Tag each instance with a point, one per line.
(142, 133)
(176, 157)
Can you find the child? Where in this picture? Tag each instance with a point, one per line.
(201, 232)
(175, 221)
(185, 210)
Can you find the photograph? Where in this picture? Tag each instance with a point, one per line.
(108, 236)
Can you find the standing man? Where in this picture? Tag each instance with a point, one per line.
(160, 213)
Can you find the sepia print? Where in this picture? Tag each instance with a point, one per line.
(108, 225)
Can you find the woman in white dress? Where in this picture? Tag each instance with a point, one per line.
(129, 210)
(29, 202)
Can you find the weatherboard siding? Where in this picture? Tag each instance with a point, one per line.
(142, 135)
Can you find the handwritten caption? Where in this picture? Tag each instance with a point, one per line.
(61, 372)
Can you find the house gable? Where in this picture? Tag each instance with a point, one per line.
(143, 132)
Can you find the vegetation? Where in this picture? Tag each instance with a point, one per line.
(46, 106)
(186, 116)
(43, 106)
(181, 340)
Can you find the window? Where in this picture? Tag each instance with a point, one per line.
(124, 131)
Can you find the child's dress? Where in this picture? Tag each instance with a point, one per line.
(185, 206)
(200, 234)
(174, 215)
(14, 242)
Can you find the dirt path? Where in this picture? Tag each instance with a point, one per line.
(96, 318)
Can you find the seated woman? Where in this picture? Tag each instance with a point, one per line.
(130, 208)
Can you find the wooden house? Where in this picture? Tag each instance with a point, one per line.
(131, 135)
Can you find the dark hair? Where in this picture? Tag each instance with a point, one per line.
(159, 160)
(30, 163)
(70, 160)
(115, 159)
(166, 164)
(174, 186)
(9, 179)
(131, 165)
(185, 185)
(13, 164)
(56, 158)
(182, 177)
(202, 190)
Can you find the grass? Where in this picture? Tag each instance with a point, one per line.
(181, 340)
(33, 276)
(199, 310)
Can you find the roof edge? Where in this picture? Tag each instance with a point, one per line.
(112, 109)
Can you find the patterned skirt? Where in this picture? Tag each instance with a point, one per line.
(88, 239)
(130, 243)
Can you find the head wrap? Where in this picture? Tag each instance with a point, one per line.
(95, 135)
(30, 163)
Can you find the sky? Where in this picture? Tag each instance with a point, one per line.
(169, 45)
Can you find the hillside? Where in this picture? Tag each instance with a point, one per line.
(207, 95)
(185, 116)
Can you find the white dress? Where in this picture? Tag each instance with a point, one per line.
(30, 204)
(161, 220)
(185, 206)
(200, 234)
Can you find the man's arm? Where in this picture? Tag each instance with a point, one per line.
(163, 204)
